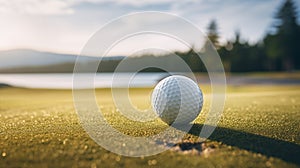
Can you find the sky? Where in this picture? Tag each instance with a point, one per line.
(64, 26)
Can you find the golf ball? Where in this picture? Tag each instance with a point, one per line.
(177, 99)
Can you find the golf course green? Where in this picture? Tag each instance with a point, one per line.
(259, 128)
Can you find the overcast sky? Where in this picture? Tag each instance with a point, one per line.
(66, 25)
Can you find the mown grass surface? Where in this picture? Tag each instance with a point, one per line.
(259, 128)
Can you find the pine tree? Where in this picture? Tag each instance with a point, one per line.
(287, 18)
(213, 33)
(288, 35)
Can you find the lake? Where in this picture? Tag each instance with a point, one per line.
(105, 80)
(65, 80)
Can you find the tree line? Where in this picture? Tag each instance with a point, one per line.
(279, 50)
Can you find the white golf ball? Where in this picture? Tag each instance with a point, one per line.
(177, 99)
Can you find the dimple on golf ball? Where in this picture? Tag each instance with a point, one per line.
(177, 99)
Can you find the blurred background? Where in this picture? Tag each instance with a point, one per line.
(46, 36)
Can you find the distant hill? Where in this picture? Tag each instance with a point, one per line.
(31, 61)
(24, 58)
(2, 85)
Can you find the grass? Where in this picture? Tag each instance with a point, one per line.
(259, 128)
